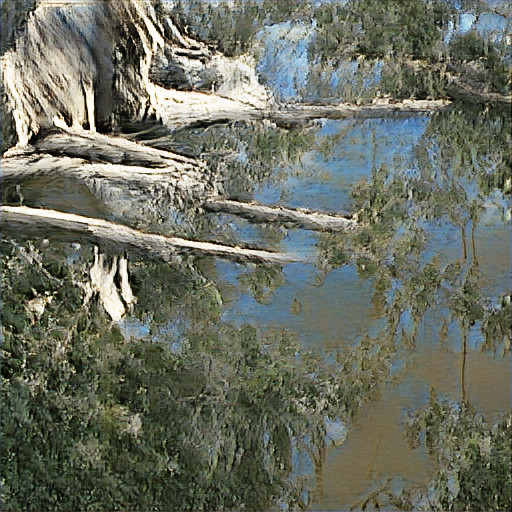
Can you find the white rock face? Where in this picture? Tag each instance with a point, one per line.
(236, 79)
(85, 64)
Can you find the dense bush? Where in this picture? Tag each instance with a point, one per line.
(202, 420)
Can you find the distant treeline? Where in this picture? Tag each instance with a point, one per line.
(408, 35)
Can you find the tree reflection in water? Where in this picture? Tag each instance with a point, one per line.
(191, 412)
(461, 163)
(202, 417)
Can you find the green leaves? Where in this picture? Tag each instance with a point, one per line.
(95, 420)
(262, 282)
(474, 457)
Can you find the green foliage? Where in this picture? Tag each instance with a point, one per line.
(483, 64)
(332, 249)
(375, 29)
(184, 289)
(473, 462)
(395, 28)
(405, 79)
(471, 143)
(474, 458)
(232, 26)
(262, 282)
(461, 159)
(382, 203)
(468, 46)
(407, 35)
(497, 327)
(94, 420)
(245, 153)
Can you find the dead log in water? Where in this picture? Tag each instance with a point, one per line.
(90, 157)
(299, 114)
(178, 109)
(24, 221)
(295, 217)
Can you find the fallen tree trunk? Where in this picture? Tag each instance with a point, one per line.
(178, 109)
(297, 114)
(30, 164)
(287, 216)
(459, 90)
(20, 220)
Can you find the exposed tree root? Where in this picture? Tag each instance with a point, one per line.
(287, 216)
(22, 221)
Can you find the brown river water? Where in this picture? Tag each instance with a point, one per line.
(435, 268)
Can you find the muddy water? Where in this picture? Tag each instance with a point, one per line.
(376, 450)
(335, 310)
(378, 291)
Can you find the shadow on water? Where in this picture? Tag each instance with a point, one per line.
(320, 384)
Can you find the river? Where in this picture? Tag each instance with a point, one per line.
(298, 385)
